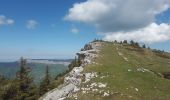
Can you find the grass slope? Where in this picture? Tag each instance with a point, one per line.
(125, 80)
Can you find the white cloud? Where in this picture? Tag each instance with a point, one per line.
(123, 19)
(117, 15)
(151, 34)
(31, 24)
(5, 21)
(75, 30)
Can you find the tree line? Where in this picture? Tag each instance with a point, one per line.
(132, 43)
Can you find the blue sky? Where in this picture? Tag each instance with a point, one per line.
(50, 35)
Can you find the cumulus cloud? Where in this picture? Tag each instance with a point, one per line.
(151, 34)
(5, 21)
(115, 16)
(31, 24)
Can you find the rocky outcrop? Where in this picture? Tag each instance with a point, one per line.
(86, 55)
(73, 79)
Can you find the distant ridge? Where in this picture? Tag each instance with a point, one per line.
(50, 61)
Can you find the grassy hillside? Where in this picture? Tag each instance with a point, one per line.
(130, 73)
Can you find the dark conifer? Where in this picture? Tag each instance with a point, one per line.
(21, 88)
(27, 88)
(45, 84)
(125, 41)
(132, 42)
(144, 46)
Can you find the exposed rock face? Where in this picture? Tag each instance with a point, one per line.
(74, 76)
(89, 76)
(86, 55)
(73, 80)
(57, 94)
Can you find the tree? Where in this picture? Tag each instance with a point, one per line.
(132, 42)
(115, 41)
(45, 84)
(143, 46)
(75, 63)
(23, 76)
(136, 44)
(125, 41)
(22, 87)
(6, 90)
(12, 91)
(27, 88)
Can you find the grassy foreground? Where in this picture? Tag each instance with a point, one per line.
(130, 74)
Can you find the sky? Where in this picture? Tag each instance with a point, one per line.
(57, 29)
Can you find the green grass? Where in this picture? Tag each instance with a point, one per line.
(150, 85)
